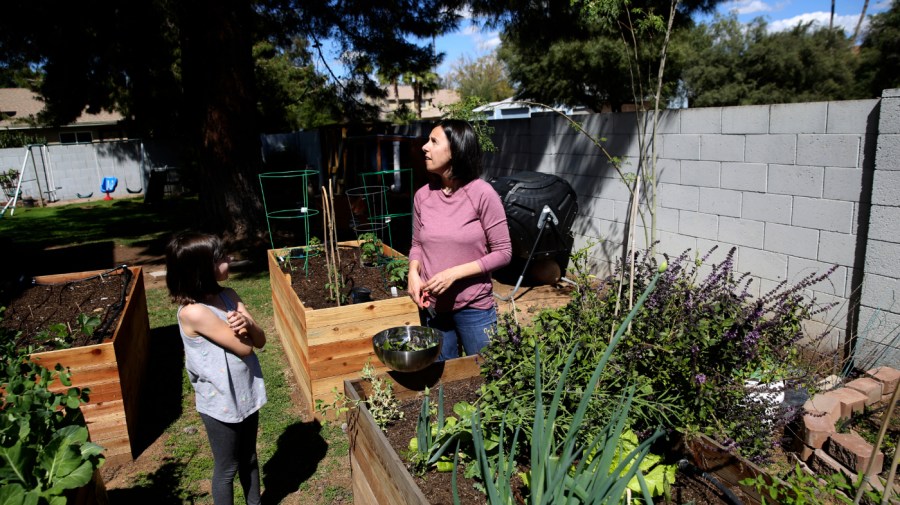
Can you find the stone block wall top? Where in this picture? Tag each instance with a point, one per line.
(887, 376)
(869, 387)
(851, 400)
(853, 452)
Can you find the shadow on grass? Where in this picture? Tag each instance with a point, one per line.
(300, 449)
(162, 388)
(159, 487)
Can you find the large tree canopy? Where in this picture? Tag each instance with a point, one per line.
(186, 70)
(557, 54)
(731, 64)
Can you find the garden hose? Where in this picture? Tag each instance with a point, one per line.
(685, 466)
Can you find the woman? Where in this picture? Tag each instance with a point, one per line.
(459, 237)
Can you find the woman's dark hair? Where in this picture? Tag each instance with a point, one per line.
(191, 259)
(464, 149)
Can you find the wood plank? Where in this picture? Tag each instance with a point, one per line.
(385, 466)
(362, 492)
(330, 319)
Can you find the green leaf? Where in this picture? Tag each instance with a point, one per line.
(14, 494)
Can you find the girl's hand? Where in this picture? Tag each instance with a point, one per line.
(237, 322)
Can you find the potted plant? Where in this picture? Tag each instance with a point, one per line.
(8, 181)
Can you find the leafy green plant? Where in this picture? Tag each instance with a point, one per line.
(370, 249)
(397, 272)
(381, 402)
(44, 447)
(800, 488)
(62, 337)
(336, 288)
(559, 471)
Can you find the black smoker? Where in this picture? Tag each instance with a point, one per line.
(540, 210)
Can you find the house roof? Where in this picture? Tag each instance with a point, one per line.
(19, 106)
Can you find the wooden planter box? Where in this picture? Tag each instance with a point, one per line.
(326, 346)
(113, 370)
(378, 475)
(376, 471)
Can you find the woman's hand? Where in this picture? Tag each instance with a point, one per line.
(441, 282)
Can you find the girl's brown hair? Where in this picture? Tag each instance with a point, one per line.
(191, 259)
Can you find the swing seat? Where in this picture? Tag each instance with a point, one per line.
(134, 191)
(108, 185)
(85, 196)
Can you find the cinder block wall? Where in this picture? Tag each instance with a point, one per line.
(74, 171)
(789, 186)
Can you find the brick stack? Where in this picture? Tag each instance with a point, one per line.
(827, 451)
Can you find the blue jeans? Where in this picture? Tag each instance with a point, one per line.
(470, 327)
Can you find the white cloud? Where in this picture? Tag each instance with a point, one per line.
(820, 19)
(743, 7)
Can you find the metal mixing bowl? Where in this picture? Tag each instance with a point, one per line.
(408, 361)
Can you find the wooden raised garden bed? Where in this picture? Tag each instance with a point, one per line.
(378, 475)
(327, 346)
(113, 370)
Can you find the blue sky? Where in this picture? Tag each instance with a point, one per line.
(471, 42)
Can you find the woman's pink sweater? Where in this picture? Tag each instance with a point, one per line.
(469, 225)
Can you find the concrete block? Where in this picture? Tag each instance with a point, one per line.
(722, 202)
(817, 428)
(883, 223)
(743, 176)
(837, 248)
(741, 231)
(854, 453)
(835, 284)
(682, 147)
(823, 405)
(668, 171)
(849, 116)
(883, 258)
(796, 180)
(831, 150)
(791, 240)
(805, 452)
(679, 197)
(698, 224)
(881, 293)
(767, 207)
(722, 147)
(831, 215)
(745, 119)
(823, 464)
(869, 387)
(675, 243)
(763, 264)
(851, 400)
(886, 187)
(771, 149)
(700, 173)
(889, 113)
(701, 120)
(887, 376)
(887, 153)
(798, 117)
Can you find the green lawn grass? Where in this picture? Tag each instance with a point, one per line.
(294, 453)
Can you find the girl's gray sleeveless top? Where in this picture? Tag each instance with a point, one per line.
(227, 387)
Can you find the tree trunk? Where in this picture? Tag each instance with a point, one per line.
(218, 82)
(862, 17)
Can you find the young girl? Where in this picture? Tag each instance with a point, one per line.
(219, 335)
